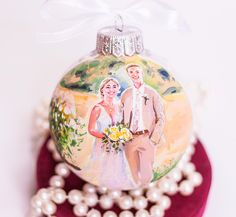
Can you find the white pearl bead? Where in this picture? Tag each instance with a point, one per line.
(106, 202)
(136, 192)
(59, 196)
(49, 208)
(156, 211)
(109, 214)
(125, 202)
(126, 213)
(35, 212)
(115, 194)
(102, 190)
(140, 202)
(195, 178)
(175, 175)
(36, 201)
(57, 181)
(80, 209)
(189, 168)
(56, 156)
(164, 184)
(75, 196)
(44, 194)
(91, 199)
(165, 202)
(186, 188)
(45, 125)
(190, 150)
(193, 139)
(173, 188)
(51, 190)
(88, 188)
(94, 213)
(153, 194)
(51, 145)
(152, 184)
(142, 213)
(185, 158)
(180, 165)
(61, 169)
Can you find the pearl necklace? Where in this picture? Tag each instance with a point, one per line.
(45, 201)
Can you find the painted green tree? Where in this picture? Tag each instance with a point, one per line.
(67, 131)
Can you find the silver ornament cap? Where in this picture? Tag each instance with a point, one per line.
(124, 41)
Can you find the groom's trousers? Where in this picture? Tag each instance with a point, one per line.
(140, 156)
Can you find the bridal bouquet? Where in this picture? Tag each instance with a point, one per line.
(115, 137)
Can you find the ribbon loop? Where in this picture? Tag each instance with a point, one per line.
(66, 19)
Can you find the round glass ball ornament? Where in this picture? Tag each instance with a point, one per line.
(118, 118)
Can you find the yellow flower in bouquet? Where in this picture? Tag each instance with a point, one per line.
(116, 136)
(114, 129)
(126, 134)
(114, 133)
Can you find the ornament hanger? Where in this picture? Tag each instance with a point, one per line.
(119, 23)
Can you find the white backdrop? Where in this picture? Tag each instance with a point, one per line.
(30, 70)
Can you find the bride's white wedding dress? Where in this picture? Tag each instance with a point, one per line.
(113, 169)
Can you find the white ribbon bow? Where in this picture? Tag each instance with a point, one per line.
(69, 18)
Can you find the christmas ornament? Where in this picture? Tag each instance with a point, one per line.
(119, 119)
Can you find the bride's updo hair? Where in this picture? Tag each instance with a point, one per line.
(104, 82)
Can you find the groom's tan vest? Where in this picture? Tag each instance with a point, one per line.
(153, 115)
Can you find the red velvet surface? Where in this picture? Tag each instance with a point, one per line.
(182, 206)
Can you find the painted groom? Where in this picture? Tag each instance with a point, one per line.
(143, 112)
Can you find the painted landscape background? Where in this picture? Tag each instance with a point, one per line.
(77, 92)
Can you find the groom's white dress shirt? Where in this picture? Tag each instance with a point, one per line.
(137, 107)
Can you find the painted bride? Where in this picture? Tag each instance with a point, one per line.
(104, 114)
